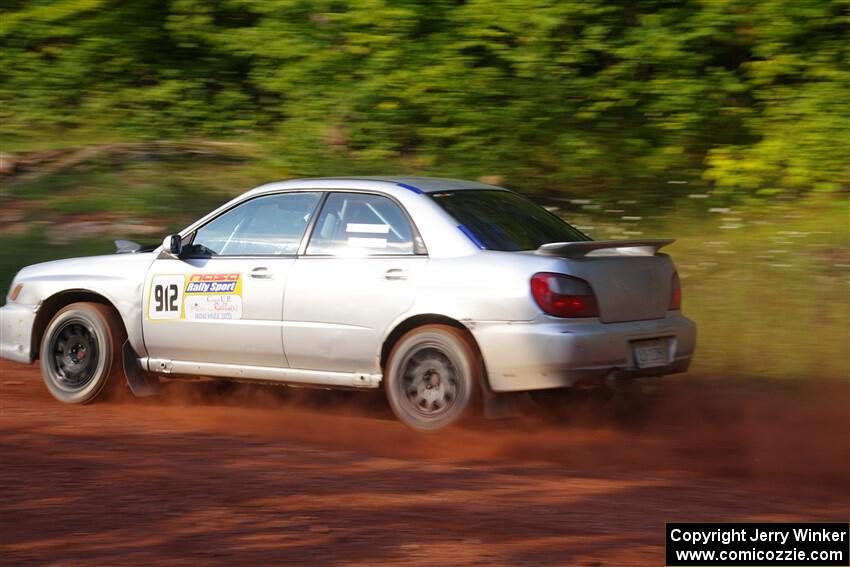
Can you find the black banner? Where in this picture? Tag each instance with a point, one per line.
(762, 544)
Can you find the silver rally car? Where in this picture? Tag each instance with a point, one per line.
(437, 290)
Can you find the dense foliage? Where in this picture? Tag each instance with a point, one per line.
(746, 97)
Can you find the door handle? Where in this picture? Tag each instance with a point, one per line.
(395, 274)
(261, 273)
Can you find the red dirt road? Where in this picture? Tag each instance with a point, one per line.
(257, 477)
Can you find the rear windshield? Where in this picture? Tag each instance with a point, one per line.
(501, 220)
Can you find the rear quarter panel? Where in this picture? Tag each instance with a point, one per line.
(485, 286)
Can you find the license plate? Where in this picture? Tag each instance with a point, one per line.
(651, 353)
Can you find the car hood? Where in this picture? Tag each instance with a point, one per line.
(110, 265)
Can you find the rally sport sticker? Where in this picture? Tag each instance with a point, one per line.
(202, 297)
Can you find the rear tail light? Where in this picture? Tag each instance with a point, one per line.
(563, 296)
(675, 292)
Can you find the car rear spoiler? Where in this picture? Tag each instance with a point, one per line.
(606, 247)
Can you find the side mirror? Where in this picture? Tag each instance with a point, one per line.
(173, 244)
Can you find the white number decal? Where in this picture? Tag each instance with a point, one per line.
(166, 297)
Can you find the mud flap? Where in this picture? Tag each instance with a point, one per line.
(141, 384)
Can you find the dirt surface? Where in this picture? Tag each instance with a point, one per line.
(270, 476)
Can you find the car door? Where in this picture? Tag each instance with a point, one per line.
(221, 301)
(358, 275)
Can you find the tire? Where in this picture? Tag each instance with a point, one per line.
(81, 352)
(432, 376)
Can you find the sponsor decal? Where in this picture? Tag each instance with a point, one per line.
(213, 307)
(214, 283)
(214, 296)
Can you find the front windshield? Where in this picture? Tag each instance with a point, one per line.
(501, 220)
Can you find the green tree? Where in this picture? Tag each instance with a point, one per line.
(748, 98)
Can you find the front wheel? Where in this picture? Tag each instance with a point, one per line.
(431, 376)
(81, 351)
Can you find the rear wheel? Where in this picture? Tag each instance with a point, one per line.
(431, 376)
(81, 351)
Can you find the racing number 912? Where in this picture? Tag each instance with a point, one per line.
(165, 297)
(165, 301)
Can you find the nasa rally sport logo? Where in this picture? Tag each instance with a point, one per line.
(213, 283)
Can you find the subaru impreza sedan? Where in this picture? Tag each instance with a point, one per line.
(439, 291)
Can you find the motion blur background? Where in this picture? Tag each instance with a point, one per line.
(725, 124)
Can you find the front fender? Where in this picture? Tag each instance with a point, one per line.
(117, 280)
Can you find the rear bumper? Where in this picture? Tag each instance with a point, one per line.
(16, 322)
(551, 353)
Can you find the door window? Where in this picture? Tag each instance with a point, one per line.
(271, 225)
(359, 224)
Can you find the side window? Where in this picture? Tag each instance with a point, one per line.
(272, 225)
(358, 224)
